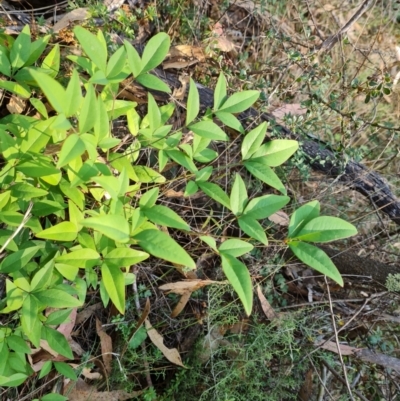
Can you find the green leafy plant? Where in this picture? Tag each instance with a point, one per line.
(77, 214)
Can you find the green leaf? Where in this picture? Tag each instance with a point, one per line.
(46, 368)
(253, 140)
(134, 61)
(164, 216)
(14, 87)
(253, 229)
(125, 257)
(42, 277)
(182, 159)
(84, 258)
(13, 380)
(72, 148)
(215, 192)
(38, 167)
(39, 106)
(238, 199)
(21, 49)
(260, 169)
(73, 94)
(317, 259)
(116, 64)
(148, 175)
(191, 188)
(235, 247)
(239, 277)
(154, 113)
(326, 229)
(37, 49)
(17, 344)
(31, 325)
(92, 46)
(110, 184)
(210, 130)
(53, 91)
(56, 299)
(193, 104)
(65, 231)
(152, 82)
(65, 370)
(57, 342)
(52, 61)
(25, 191)
(5, 66)
(155, 51)
(220, 92)
(230, 121)
(149, 198)
(303, 215)
(239, 101)
(210, 241)
(276, 152)
(53, 397)
(17, 260)
(113, 226)
(113, 280)
(59, 317)
(88, 111)
(162, 246)
(264, 206)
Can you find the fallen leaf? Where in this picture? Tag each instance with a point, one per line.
(66, 328)
(106, 346)
(87, 312)
(157, 339)
(333, 347)
(181, 304)
(79, 14)
(81, 391)
(280, 218)
(16, 105)
(265, 305)
(181, 287)
(170, 193)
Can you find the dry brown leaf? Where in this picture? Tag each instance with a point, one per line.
(265, 305)
(181, 287)
(79, 14)
(86, 372)
(181, 304)
(188, 51)
(157, 339)
(66, 328)
(183, 56)
(81, 391)
(87, 312)
(280, 218)
(333, 347)
(179, 93)
(170, 193)
(106, 346)
(16, 105)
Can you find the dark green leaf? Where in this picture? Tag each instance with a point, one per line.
(239, 277)
(162, 246)
(317, 259)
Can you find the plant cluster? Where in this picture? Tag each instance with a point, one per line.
(77, 212)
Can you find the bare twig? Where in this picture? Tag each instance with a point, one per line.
(337, 341)
(333, 39)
